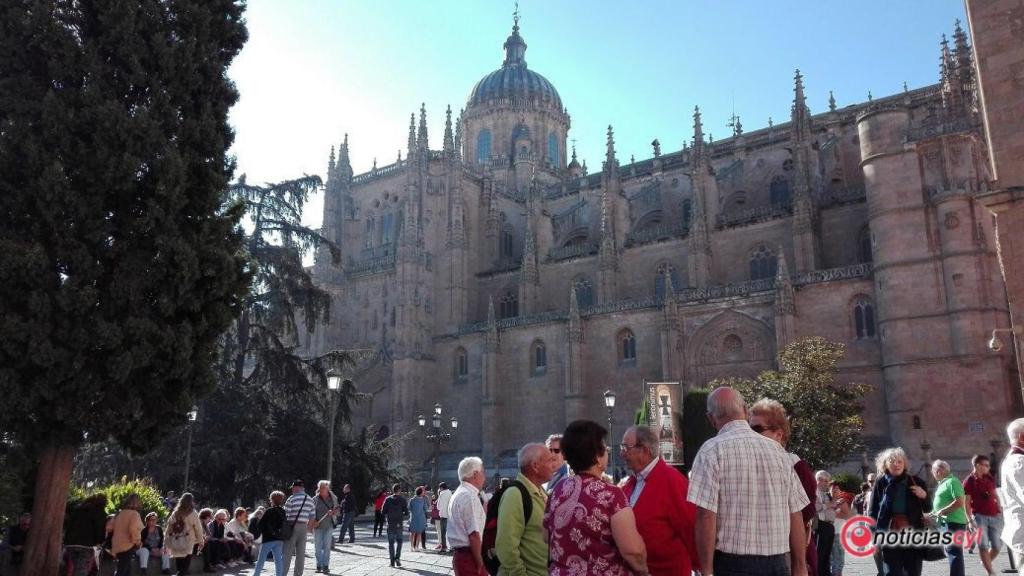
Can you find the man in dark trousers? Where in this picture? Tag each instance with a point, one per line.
(348, 515)
(395, 511)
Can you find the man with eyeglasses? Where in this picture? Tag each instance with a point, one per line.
(657, 494)
(554, 444)
(749, 500)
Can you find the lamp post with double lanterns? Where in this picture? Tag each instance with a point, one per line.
(609, 403)
(436, 435)
(334, 384)
(192, 415)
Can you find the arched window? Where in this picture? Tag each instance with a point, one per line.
(779, 190)
(507, 242)
(368, 239)
(864, 318)
(483, 146)
(584, 291)
(659, 279)
(387, 228)
(461, 363)
(538, 357)
(508, 306)
(627, 347)
(762, 263)
(864, 246)
(687, 211)
(553, 155)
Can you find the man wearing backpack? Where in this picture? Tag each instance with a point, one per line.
(519, 545)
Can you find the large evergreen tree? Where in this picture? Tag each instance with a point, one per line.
(119, 265)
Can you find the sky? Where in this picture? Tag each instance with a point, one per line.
(313, 71)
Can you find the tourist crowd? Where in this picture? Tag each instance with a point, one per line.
(747, 507)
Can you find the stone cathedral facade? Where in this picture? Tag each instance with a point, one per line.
(497, 276)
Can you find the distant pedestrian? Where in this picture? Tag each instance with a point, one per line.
(86, 531)
(983, 508)
(378, 516)
(184, 535)
(749, 500)
(271, 527)
(327, 508)
(300, 511)
(466, 517)
(127, 536)
(444, 498)
(395, 509)
(348, 515)
(1012, 474)
(417, 518)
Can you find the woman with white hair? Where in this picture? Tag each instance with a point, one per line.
(900, 504)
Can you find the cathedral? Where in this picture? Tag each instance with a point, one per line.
(498, 277)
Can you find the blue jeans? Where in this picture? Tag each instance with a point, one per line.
(395, 544)
(955, 554)
(322, 545)
(741, 565)
(348, 524)
(991, 528)
(277, 547)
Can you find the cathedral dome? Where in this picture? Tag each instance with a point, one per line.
(514, 81)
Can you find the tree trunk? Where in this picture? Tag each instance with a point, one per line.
(43, 548)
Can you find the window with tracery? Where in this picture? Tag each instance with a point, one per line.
(763, 263)
(779, 190)
(584, 291)
(539, 358)
(863, 318)
(483, 146)
(627, 347)
(864, 246)
(508, 306)
(553, 156)
(461, 363)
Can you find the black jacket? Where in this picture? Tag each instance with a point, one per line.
(87, 526)
(160, 535)
(272, 523)
(885, 491)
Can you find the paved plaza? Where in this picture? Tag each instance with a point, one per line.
(369, 555)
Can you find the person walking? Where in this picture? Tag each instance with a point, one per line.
(299, 511)
(520, 542)
(899, 501)
(271, 526)
(749, 500)
(378, 516)
(127, 535)
(327, 508)
(983, 508)
(949, 509)
(348, 515)
(466, 518)
(184, 536)
(1012, 476)
(86, 531)
(395, 509)
(417, 518)
(657, 495)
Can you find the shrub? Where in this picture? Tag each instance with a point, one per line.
(150, 499)
(848, 482)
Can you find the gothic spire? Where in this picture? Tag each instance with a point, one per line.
(610, 163)
(449, 139)
(832, 99)
(412, 136)
(344, 166)
(421, 139)
(784, 296)
(801, 115)
(330, 164)
(698, 131)
(458, 136)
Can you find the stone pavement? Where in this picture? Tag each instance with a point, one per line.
(369, 556)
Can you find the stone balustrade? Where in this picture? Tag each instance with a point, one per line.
(572, 251)
(659, 233)
(368, 266)
(754, 215)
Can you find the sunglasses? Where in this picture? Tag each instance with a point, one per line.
(760, 428)
(556, 450)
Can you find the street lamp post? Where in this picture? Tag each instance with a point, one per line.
(609, 403)
(435, 435)
(192, 414)
(334, 383)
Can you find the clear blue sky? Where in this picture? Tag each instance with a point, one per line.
(314, 70)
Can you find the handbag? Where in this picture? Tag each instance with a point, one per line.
(929, 553)
(288, 529)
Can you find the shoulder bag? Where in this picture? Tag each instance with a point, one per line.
(288, 529)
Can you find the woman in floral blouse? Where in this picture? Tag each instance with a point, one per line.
(591, 526)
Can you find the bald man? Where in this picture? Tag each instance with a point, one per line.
(749, 499)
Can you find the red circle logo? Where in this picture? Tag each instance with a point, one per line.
(857, 536)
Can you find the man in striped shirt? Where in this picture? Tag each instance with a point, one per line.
(299, 512)
(749, 499)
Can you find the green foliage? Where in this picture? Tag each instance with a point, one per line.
(119, 260)
(150, 499)
(696, 428)
(825, 416)
(848, 482)
(15, 469)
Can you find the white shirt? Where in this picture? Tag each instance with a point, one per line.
(443, 501)
(824, 507)
(237, 529)
(1012, 471)
(748, 481)
(641, 481)
(465, 515)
